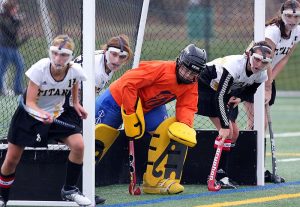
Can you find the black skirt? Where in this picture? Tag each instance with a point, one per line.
(26, 131)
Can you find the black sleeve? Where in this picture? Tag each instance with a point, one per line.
(221, 100)
(247, 91)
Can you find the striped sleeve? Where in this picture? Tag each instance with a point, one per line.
(223, 90)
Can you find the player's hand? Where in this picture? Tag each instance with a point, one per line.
(47, 117)
(234, 101)
(268, 94)
(224, 133)
(80, 111)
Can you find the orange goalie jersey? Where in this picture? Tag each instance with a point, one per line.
(155, 83)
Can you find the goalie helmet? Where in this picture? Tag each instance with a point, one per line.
(194, 60)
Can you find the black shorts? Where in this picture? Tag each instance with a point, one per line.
(273, 95)
(207, 102)
(26, 131)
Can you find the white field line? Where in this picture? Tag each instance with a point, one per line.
(288, 134)
(289, 160)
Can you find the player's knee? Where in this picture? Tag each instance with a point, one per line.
(77, 149)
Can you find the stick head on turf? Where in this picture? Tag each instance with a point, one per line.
(134, 191)
(212, 185)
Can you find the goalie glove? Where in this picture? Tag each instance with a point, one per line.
(134, 124)
(226, 145)
(183, 134)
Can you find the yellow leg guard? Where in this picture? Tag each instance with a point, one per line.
(165, 162)
(105, 136)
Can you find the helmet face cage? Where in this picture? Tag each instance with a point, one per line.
(193, 61)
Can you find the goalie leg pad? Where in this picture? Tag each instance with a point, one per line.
(165, 162)
(105, 136)
(134, 124)
(182, 133)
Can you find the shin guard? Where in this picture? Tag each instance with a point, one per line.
(105, 136)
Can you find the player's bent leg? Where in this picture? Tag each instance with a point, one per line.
(105, 136)
(7, 173)
(165, 162)
(12, 158)
(76, 145)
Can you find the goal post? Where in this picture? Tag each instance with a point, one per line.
(88, 178)
(259, 112)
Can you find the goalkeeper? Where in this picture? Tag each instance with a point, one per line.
(138, 100)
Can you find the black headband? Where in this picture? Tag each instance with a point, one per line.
(63, 43)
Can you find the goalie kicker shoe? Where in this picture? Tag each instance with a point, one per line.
(164, 186)
(76, 196)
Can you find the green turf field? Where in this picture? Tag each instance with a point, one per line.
(285, 114)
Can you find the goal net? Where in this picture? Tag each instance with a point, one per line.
(51, 18)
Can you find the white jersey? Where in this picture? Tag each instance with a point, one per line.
(101, 77)
(51, 95)
(283, 46)
(236, 66)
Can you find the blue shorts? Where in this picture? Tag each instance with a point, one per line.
(109, 112)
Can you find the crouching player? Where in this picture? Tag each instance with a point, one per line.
(138, 100)
(226, 82)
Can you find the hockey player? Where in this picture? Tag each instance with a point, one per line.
(223, 85)
(137, 99)
(282, 33)
(110, 59)
(50, 79)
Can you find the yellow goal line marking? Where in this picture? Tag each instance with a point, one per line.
(253, 200)
(285, 154)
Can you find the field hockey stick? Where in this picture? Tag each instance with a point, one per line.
(212, 185)
(132, 186)
(38, 116)
(276, 178)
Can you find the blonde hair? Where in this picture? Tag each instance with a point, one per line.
(117, 41)
(64, 41)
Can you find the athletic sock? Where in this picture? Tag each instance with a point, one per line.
(6, 182)
(72, 175)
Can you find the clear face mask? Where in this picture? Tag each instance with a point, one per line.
(290, 18)
(57, 55)
(115, 58)
(255, 58)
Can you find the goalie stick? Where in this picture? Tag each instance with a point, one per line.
(132, 186)
(38, 116)
(275, 177)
